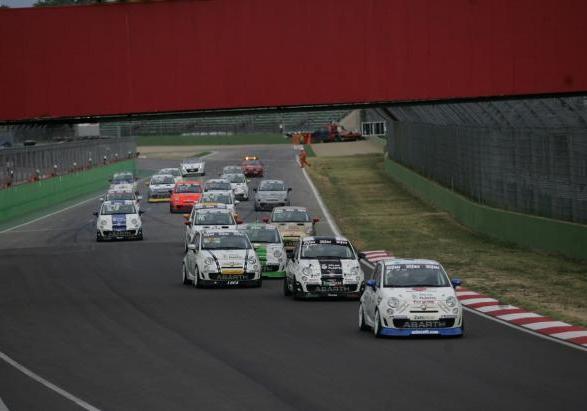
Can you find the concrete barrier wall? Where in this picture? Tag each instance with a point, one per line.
(27, 199)
(525, 230)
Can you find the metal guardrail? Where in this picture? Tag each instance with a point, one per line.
(31, 163)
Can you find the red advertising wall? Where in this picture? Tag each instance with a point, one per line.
(183, 55)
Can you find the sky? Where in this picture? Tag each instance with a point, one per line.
(17, 3)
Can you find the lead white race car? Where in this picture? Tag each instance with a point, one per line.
(411, 297)
(118, 220)
(223, 258)
(324, 267)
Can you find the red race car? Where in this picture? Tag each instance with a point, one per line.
(253, 167)
(185, 194)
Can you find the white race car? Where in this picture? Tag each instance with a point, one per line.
(239, 185)
(207, 218)
(175, 172)
(118, 220)
(122, 181)
(324, 266)
(411, 297)
(192, 167)
(269, 248)
(221, 258)
(293, 224)
(160, 187)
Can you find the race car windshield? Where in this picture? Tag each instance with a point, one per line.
(188, 188)
(225, 242)
(329, 250)
(173, 171)
(214, 219)
(271, 186)
(162, 180)
(262, 235)
(295, 216)
(231, 170)
(235, 178)
(118, 208)
(415, 275)
(216, 198)
(123, 180)
(120, 196)
(218, 186)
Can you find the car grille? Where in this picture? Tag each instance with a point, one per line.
(406, 323)
(338, 288)
(121, 233)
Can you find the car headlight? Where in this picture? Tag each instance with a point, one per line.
(451, 301)
(307, 271)
(393, 302)
(103, 223)
(277, 253)
(134, 221)
(355, 271)
(252, 259)
(209, 261)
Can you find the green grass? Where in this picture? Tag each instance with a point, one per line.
(309, 150)
(237, 139)
(377, 213)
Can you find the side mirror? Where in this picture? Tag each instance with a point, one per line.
(254, 190)
(186, 216)
(95, 213)
(192, 247)
(248, 180)
(139, 198)
(289, 189)
(236, 201)
(315, 220)
(265, 220)
(141, 212)
(239, 221)
(101, 198)
(188, 223)
(456, 282)
(372, 284)
(362, 256)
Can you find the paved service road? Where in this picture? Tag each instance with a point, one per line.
(112, 324)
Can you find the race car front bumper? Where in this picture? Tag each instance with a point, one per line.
(403, 332)
(221, 280)
(354, 290)
(119, 235)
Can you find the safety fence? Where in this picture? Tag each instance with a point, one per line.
(32, 163)
(539, 171)
(26, 199)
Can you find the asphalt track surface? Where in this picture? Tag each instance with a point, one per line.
(112, 324)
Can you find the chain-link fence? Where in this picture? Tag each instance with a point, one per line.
(540, 171)
(32, 163)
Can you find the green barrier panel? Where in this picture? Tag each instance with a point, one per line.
(26, 199)
(526, 230)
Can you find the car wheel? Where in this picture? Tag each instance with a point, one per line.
(196, 281)
(286, 290)
(99, 239)
(377, 325)
(298, 295)
(362, 325)
(184, 274)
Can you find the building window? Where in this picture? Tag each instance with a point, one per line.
(373, 128)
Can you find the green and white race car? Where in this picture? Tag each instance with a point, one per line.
(269, 247)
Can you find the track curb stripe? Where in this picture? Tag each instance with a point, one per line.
(527, 320)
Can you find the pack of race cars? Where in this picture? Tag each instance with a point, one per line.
(401, 297)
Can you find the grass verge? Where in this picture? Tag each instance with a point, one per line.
(378, 213)
(236, 139)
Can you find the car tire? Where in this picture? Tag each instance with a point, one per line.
(377, 325)
(196, 281)
(296, 294)
(99, 239)
(362, 325)
(286, 290)
(186, 280)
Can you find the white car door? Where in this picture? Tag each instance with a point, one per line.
(193, 255)
(371, 294)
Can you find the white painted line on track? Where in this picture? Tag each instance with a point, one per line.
(546, 324)
(3, 406)
(47, 384)
(469, 301)
(50, 214)
(325, 211)
(518, 316)
(492, 308)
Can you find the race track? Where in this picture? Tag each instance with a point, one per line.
(112, 324)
